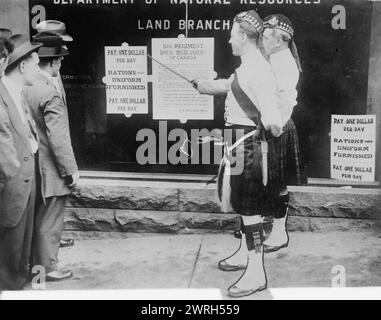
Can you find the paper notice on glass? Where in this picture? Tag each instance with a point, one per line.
(353, 148)
(173, 97)
(126, 80)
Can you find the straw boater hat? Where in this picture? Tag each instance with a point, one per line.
(281, 22)
(23, 47)
(52, 45)
(56, 27)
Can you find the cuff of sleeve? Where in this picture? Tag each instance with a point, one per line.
(66, 172)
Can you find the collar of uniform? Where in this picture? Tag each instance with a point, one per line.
(282, 55)
(250, 56)
(14, 88)
(46, 75)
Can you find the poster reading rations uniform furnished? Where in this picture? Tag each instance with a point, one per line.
(173, 97)
(353, 148)
(126, 80)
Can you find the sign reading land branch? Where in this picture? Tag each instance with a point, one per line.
(126, 80)
(173, 97)
(353, 148)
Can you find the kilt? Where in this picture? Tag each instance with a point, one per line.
(291, 167)
(249, 197)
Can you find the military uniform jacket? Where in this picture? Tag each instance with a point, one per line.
(56, 155)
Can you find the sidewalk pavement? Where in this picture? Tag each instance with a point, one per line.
(159, 261)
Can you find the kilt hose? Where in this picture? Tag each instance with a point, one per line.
(248, 195)
(291, 166)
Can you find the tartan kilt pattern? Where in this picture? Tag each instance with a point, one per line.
(249, 197)
(291, 166)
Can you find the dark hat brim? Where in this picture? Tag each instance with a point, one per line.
(44, 52)
(21, 52)
(64, 37)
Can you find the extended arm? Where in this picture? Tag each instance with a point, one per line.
(213, 87)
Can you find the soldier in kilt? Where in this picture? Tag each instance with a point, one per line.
(253, 121)
(279, 45)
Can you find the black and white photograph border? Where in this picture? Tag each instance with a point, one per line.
(164, 170)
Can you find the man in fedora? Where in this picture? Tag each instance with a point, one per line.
(59, 171)
(17, 198)
(59, 29)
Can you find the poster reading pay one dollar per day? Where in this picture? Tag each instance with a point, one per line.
(173, 97)
(353, 148)
(126, 80)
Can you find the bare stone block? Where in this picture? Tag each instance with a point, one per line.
(125, 195)
(199, 200)
(215, 221)
(90, 219)
(147, 221)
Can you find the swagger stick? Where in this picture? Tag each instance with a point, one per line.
(169, 69)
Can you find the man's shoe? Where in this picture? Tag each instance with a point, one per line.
(65, 243)
(59, 275)
(224, 266)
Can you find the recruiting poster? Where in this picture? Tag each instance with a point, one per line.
(126, 80)
(174, 97)
(353, 148)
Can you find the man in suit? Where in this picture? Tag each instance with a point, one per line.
(59, 171)
(17, 197)
(59, 29)
(9, 164)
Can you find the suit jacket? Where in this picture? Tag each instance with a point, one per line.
(9, 165)
(18, 189)
(56, 154)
